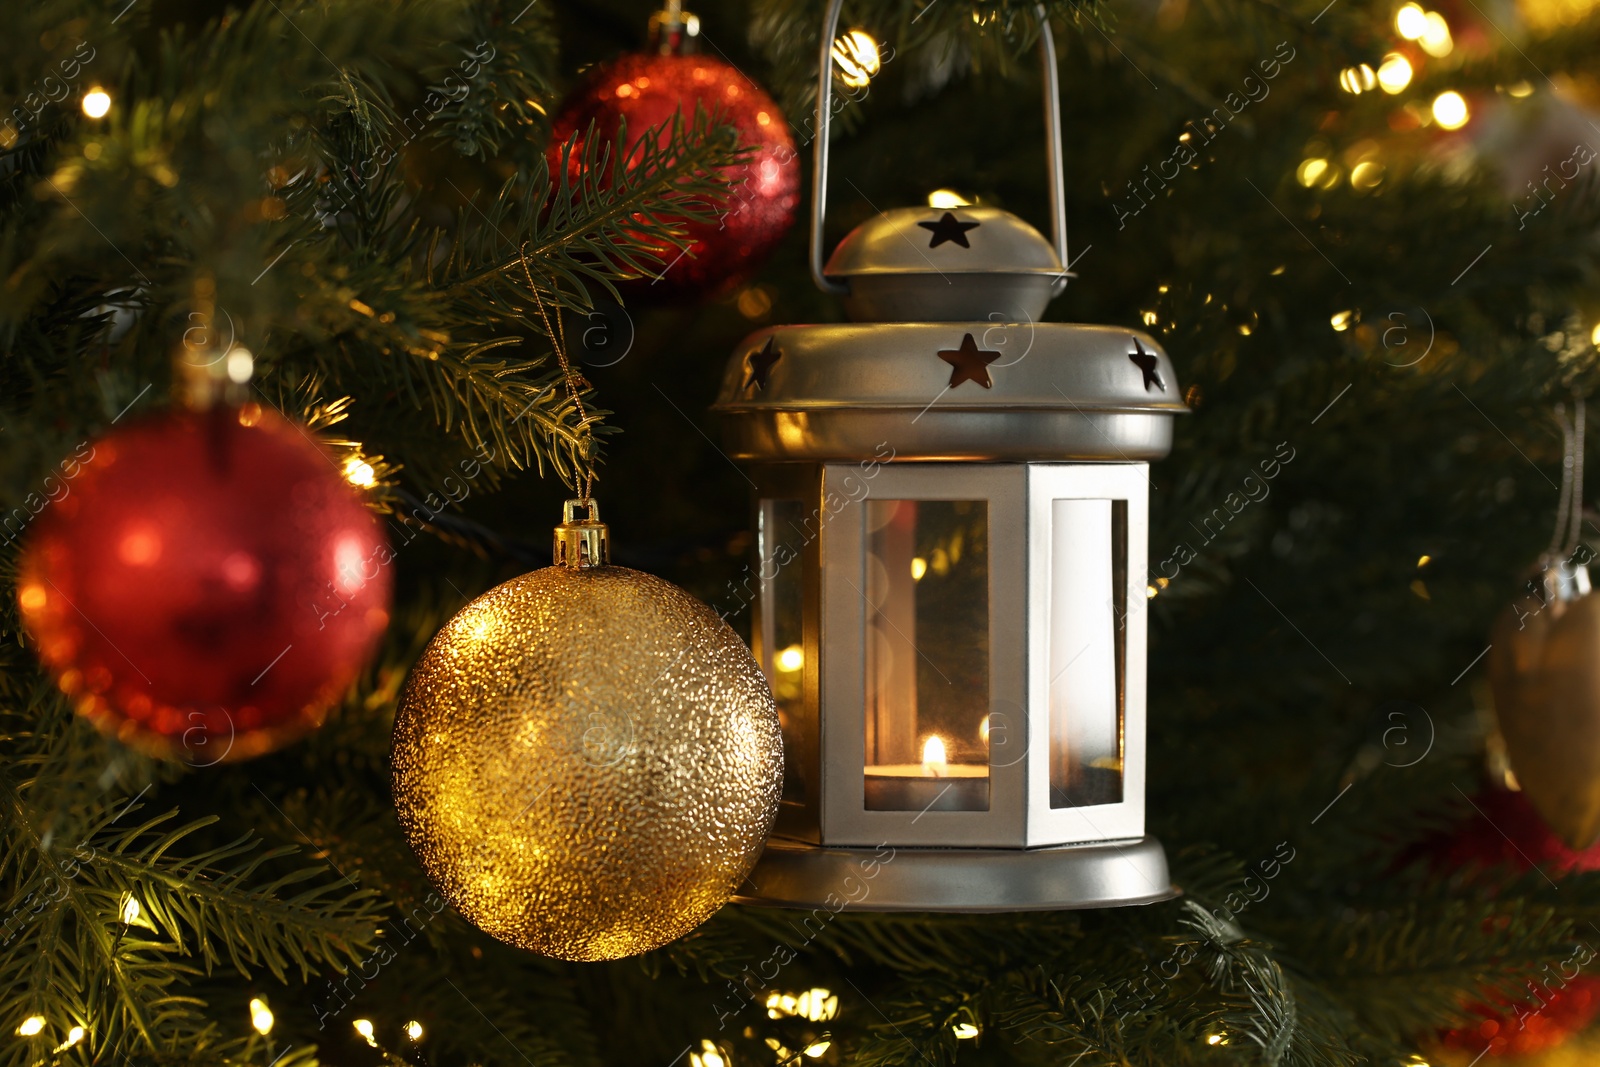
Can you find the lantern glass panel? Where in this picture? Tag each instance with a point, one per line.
(1088, 651)
(781, 623)
(927, 655)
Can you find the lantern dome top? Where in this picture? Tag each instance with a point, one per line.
(931, 264)
(1025, 391)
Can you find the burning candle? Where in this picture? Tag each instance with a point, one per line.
(935, 784)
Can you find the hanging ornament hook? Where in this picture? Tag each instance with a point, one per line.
(1558, 534)
(210, 366)
(1569, 511)
(558, 341)
(1575, 501)
(674, 31)
(579, 542)
(1566, 577)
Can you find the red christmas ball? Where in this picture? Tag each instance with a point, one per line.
(206, 584)
(764, 191)
(1506, 834)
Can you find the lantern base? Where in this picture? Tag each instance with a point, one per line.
(1110, 874)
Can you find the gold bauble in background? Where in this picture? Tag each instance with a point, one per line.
(1544, 667)
(587, 762)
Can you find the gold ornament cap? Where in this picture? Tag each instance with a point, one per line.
(209, 368)
(1564, 581)
(581, 542)
(674, 31)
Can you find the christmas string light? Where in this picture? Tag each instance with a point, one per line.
(74, 1036)
(1450, 110)
(1357, 80)
(755, 301)
(1435, 39)
(814, 1005)
(708, 1056)
(240, 365)
(856, 53)
(1411, 22)
(1366, 175)
(260, 1016)
(1315, 172)
(358, 472)
(1394, 73)
(815, 1050)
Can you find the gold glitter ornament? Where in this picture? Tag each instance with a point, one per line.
(586, 759)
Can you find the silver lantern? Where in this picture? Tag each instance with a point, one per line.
(952, 515)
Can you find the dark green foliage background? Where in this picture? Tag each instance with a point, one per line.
(1278, 653)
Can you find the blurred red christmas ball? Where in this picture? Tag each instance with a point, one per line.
(764, 193)
(206, 584)
(1543, 1020)
(1506, 834)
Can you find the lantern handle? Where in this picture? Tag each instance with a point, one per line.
(1056, 180)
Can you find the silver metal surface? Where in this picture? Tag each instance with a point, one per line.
(1054, 155)
(1054, 144)
(893, 243)
(819, 160)
(1046, 484)
(799, 812)
(946, 435)
(895, 878)
(1057, 392)
(914, 296)
(1003, 271)
(1037, 366)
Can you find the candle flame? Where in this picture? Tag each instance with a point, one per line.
(933, 755)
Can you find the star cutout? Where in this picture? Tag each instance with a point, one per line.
(949, 228)
(970, 363)
(1147, 363)
(760, 363)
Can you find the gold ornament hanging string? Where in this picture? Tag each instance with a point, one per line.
(558, 341)
(584, 542)
(1569, 514)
